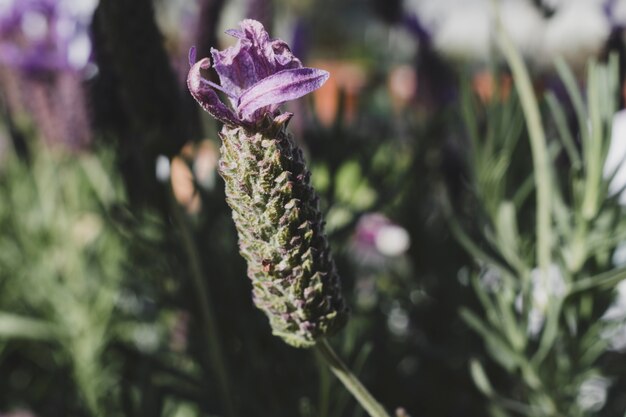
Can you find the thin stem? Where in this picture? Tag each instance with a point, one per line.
(210, 333)
(541, 161)
(350, 381)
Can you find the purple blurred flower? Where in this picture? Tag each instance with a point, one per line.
(257, 74)
(45, 55)
(615, 12)
(376, 239)
(45, 35)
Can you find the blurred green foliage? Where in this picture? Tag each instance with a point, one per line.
(119, 297)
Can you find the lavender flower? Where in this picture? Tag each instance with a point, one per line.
(45, 55)
(45, 35)
(257, 74)
(274, 207)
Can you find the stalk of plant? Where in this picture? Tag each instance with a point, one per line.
(275, 209)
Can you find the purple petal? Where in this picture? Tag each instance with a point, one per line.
(235, 67)
(260, 45)
(192, 56)
(282, 56)
(254, 30)
(206, 96)
(270, 56)
(254, 57)
(235, 33)
(280, 87)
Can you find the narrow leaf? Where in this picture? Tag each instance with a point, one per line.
(480, 378)
(605, 280)
(13, 326)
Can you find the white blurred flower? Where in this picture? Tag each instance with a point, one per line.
(5, 6)
(576, 32)
(377, 238)
(466, 29)
(619, 255)
(617, 309)
(34, 25)
(525, 25)
(146, 337)
(398, 321)
(162, 168)
(556, 4)
(129, 303)
(545, 288)
(616, 337)
(392, 240)
(615, 318)
(552, 4)
(536, 318)
(465, 33)
(614, 164)
(81, 9)
(79, 51)
(490, 278)
(592, 393)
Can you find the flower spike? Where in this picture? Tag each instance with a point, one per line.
(280, 228)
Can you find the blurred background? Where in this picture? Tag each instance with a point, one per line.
(122, 292)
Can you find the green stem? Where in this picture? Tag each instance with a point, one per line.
(210, 333)
(541, 160)
(350, 381)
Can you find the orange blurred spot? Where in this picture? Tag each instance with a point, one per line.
(183, 185)
(402, 84)
(205, 163)
(195, 165)
(484, 85)
(345, 77)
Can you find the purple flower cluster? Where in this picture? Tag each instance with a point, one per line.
(45, 35)
(257, 74)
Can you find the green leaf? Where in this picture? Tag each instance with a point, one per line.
(601, 281)
(480, 378)
(499, 349)
(508, 235)
(13, 326)
(564, 133)
(550, 331)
